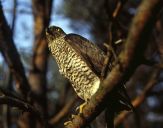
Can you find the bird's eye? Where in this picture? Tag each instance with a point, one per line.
(58, 30)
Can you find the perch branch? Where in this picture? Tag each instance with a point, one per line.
(129, 59)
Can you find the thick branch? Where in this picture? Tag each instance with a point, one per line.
(129, 59)
(37, 76)
(11, 55)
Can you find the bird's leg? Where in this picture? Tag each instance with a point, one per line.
(80, 108)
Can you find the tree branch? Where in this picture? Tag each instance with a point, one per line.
(37, 75)
(63, 112)
(9, 93)
(13, 102)
(11, 55)
(129, 59)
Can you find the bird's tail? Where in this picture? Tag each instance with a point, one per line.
(118, 101)
(125, 99)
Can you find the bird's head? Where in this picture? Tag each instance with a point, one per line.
(54, 32)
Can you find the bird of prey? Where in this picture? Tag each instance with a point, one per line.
(81, 61)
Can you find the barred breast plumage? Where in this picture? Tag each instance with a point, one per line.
(72, 66)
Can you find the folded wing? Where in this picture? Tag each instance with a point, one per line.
(91, 54)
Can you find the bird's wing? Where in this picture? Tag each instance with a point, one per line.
(93, 55)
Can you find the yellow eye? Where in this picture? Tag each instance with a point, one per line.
(58, 30)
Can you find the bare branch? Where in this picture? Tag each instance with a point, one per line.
(9, 93)
(13, 102)
(129, 59)
(63, 112)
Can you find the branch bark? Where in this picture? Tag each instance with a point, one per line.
(129, 59)
(9, 93)
(37, 75)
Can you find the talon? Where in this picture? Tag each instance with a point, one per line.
(67, 123)
(73, 116)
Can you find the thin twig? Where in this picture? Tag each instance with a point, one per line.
(14, 16)
(117, 9)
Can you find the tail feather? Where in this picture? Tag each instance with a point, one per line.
(125, 99)
(119, 101)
